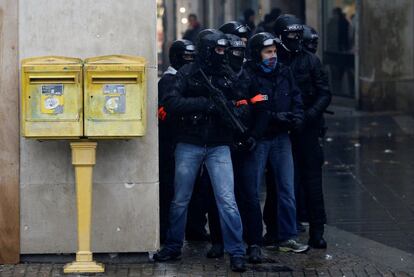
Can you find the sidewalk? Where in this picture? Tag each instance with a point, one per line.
(347, 255)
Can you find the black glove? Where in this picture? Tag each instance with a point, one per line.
(311, 115)
(283, 119)
(297, 125)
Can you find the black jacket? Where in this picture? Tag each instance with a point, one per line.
(283, 96)
(166, 128)
(188, 101)
(312, 81)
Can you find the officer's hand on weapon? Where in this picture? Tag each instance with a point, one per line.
(213, 109)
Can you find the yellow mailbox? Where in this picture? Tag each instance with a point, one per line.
(115, 96)
(51, 99)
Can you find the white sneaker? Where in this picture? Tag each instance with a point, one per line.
(292, 246)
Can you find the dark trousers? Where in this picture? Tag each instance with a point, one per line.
(166, 187)
(309, 159)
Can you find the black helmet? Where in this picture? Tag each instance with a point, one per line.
(206, 48)
(258, 42)
(310, 39)
(235, 28)
(289, 29)
(182, 51)
(206, 32)
(235, 51)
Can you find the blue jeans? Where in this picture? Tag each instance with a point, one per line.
(188, 159)
(278, 152)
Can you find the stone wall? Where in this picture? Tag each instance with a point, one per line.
(125, 209)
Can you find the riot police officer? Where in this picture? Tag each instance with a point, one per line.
(235, 57)
(276, 109)
(237, 29)
(235, 53)
(308, 154)
(181, 52)
(203, 137)
(310, 39)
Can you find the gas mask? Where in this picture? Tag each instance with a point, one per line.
(293, 41)
(235, 58)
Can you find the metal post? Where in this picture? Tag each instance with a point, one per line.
(83, 159)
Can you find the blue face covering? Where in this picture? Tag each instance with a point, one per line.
(268, 65)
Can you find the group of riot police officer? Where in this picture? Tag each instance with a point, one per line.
(237, 111)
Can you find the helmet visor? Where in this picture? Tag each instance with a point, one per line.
(242, 30)
(237, 52)
(189, 48)
(294, 35)
(268, 42)
(222, 42)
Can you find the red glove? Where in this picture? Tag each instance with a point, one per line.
(162, 114)
(241, 103)
(259, 98)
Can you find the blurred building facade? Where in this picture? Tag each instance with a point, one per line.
(366, 46)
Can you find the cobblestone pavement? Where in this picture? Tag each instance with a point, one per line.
(335, 261)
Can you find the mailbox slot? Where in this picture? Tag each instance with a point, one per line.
(116, 79)
(39, 79)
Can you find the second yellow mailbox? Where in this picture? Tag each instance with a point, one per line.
(114, 97)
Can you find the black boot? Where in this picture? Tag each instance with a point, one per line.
(237, 264)
(166, 255)
(216, 251)
(255, 254)
(316, 239)
(269, 240)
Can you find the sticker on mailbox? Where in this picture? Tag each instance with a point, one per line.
(52, 99)
(114, 99)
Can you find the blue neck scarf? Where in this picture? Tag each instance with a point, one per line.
(268, 65)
